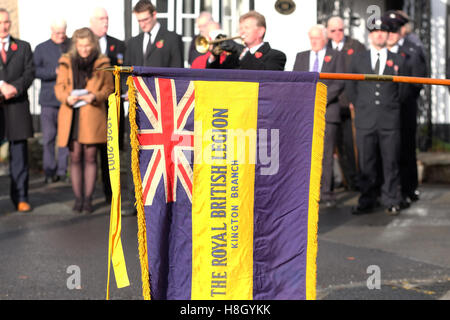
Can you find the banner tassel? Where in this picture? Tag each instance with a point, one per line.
(142, 230)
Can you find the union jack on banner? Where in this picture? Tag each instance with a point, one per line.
(167, 138)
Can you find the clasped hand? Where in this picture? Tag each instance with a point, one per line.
(8, 91)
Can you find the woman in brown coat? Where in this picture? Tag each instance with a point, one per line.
(82, 115)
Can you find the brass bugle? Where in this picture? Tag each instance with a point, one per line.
(202, 43)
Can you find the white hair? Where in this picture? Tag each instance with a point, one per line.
(320, 27)
(58, 23)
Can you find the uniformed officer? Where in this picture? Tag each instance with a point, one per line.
(416, 67)
(377, 121)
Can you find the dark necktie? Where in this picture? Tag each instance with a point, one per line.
(377, 64)
(149, 44)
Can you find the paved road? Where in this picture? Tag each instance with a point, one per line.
(412, 251)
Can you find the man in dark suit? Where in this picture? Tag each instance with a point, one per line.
(16, 76)
(416, 67)
(114, 49)
(346, 143)
(377, 121)
(154, 46)
(323, 59)
(109, 46)
(256, 54)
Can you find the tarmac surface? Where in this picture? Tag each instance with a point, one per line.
(409, 254)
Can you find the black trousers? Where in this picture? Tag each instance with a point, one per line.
(102, 148)
(346, 150)
(326, 188)
(408, 161)
(386, 144)
(19, 171)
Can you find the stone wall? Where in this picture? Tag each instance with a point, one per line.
(12, 7)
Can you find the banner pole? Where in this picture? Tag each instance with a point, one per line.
(343, 76)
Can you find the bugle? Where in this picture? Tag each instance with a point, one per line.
(202, 43)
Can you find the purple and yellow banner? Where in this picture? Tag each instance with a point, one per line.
(227, 168)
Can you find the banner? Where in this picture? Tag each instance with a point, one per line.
(115, 250)
(227, 168)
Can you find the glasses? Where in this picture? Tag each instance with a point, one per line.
(335, 30)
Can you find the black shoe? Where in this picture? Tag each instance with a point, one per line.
(414, 196)
(87, 206)
(405, 204)
(78, 206)
(330, 203)
(393, 210)
(49, 179)
(359, 210)
(61, 178)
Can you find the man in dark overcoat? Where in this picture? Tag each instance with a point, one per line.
(16, 76)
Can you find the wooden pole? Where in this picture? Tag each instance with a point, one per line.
(350, 76)
(374, 77)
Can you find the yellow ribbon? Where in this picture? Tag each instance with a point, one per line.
(115, 250)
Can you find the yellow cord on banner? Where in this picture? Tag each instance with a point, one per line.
(142, 230)
(115, 249)
(314, 189)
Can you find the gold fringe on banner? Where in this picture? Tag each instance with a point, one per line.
(142, 230)
(314, 189)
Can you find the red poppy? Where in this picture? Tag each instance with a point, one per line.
(160, 44)
(13, 46)
(327, 59)
(402, 54)
(390, 63)
(112, 47)
(258, 54)
(350, 51)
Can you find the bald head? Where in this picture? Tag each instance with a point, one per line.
(335, 29)
(99, 22)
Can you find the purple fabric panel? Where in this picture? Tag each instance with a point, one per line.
(281, 199)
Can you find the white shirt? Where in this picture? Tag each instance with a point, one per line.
(153, 32)
(252, 50)
(5, 41)
(337, 46)
(102, 43)
(312, 58)
(394, 49)
(383, 58)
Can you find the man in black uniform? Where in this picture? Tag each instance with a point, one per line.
(256, 54)
(346, 145)
(377, 121)
(416, 67)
